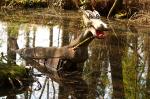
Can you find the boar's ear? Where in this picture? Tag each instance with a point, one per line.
(88, 15)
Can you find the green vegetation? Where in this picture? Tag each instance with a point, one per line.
(23, 3)
(13, 71)
(129, 75)
(117, 8)
(13, 29)
(10, 69)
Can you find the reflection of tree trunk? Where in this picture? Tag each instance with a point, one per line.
(135, 49)
(51, 37)
(147, 43)
(134, 76)
(94, 67)
(65, 40)
(27, 39)
(73, 86)
(59, 34)
(11, 45)
(148, 78)
(115, 57)
(12, 42)
(130, 62)
(34, 36)
(65, 33)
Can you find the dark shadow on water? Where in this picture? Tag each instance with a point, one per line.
(71, 83)
(73, 86)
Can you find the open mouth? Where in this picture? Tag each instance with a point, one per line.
(100, 34)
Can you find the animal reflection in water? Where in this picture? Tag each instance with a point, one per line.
(71, 84)
(72, 56)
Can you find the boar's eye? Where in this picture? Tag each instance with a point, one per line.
(97, 16)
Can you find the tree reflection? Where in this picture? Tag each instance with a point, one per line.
(12, 32)
(51, 37)
(65, 34)
(147, 62)
(93, 70)
(74, 86)
(16, 80)
(117, 46)
(133, 67)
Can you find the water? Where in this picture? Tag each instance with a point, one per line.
(117, 67)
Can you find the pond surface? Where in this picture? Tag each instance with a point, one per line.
(118, 66)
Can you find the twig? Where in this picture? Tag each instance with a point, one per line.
(53, 89)
(48, 89)
(43, 88)
(81, 43)
(113, 30)
(11, 82)
(112, 8)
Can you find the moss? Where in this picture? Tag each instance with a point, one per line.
(13, 29)
(13, 71)
(14, 76)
